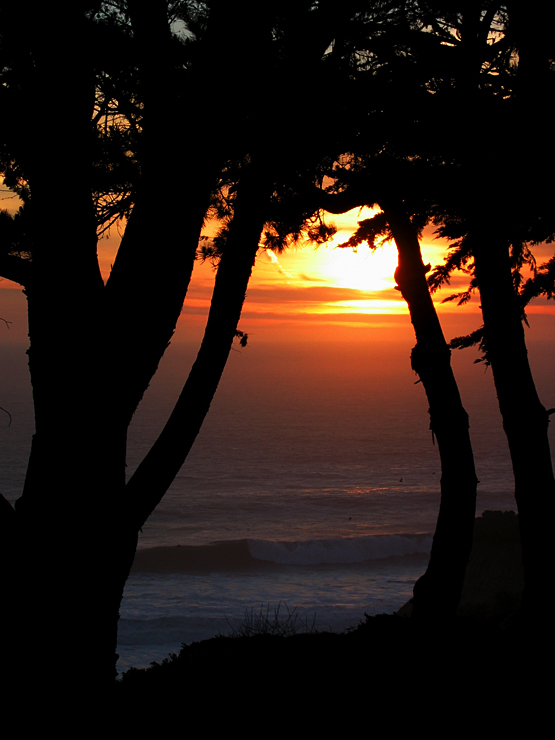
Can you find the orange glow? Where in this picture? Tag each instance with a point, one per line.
(308, 291)
(328, 293)
(328, 283)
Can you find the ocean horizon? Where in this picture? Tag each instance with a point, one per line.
(313, 487)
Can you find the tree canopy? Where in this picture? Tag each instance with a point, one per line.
(126, 116)
(216, 106)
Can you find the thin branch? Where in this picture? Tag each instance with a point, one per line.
(7, 412)
(337, 203)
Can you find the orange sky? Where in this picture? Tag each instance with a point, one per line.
(331, 293)
(307, 294)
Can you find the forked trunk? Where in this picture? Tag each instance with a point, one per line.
(159, 468)
(74, 531)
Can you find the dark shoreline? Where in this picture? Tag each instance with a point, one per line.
(485, 654)
(461, 672)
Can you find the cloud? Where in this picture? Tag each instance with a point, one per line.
(274, 260)
(310, 279)
(316, 294)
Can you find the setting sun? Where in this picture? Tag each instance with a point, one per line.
(331, 265)
(364, 269)
(310, 289)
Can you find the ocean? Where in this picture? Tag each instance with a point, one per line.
(311, 491)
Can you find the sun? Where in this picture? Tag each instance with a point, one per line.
(365, 269)
(333, 266)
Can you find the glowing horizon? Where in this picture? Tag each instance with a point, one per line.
(311, 282)
(311, 289)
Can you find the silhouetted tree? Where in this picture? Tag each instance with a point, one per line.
(488, 67)
(93, 346)
(422, 85)
(381, 145)
(493, 232)
(133, 78)
(437, 593)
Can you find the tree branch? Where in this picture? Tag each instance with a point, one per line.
(15, 268)
(157, 471)
(353, 197)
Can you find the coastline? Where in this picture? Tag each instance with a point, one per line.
(480, 669)
(490, 600)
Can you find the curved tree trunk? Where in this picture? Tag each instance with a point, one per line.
(157, 471)
(525, 419)
(437, 593)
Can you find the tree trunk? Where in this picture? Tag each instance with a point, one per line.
(94, 348)
(437, 593)
(159, 468)
(77, 522)
(73, 550)
(525, 420)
